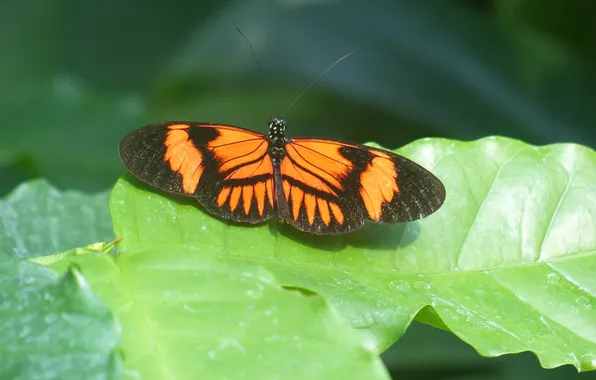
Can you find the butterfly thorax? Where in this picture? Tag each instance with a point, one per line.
(277, 139)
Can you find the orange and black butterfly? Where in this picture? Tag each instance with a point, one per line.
(316, 185)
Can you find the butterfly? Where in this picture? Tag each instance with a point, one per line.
(319, 186)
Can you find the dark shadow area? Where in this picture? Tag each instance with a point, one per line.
(474, 371)
(384, 236)
(304, 291)
(15, 170)
(182, 200)
(324, 242)
(425, 352)
(372, 236)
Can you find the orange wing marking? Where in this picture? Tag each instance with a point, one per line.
(232, 148)
(380, 153)
(326, 209)
(378, 184)
(310, 203)
(270, 193)
(235, 197)
(322, 158)
(178, 126)
(223, 196)
(247, 192)
(264, 166)
(184, 157)
(297, 196)
(337, 213)
(257, 191)
(289, 169)
(287, 187)
(260, 196)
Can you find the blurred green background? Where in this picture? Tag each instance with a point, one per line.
(76, 76)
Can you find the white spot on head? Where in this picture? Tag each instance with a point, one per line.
(276, 128)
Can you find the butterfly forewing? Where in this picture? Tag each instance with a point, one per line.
(334, 187)
(228, 169)
(324, 186)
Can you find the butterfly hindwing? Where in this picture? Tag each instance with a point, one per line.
(325, 186)
(333, 187)
(228, 169)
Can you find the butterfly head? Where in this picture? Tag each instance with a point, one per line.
(277, 128)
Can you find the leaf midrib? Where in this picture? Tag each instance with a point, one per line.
(451, 272)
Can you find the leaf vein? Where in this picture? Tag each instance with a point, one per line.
(488, 194)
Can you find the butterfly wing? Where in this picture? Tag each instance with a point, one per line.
(228, 169)
(333, 187)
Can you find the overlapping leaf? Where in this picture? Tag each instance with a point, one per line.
(54, 329)
(506, 263)
(186, 314)
(37, 219)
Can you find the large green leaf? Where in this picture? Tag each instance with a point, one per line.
(54, 329)
(186, 315)
(506, 264)
(36, 219)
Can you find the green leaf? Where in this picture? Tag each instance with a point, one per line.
(36, 219)
(186, 314)
(49, 260)
(507, 263)
(53, 329)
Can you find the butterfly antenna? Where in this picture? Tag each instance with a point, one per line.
(260, 68)
(315, 81)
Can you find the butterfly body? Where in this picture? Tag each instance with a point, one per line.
(318, 186)
(277, 140)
